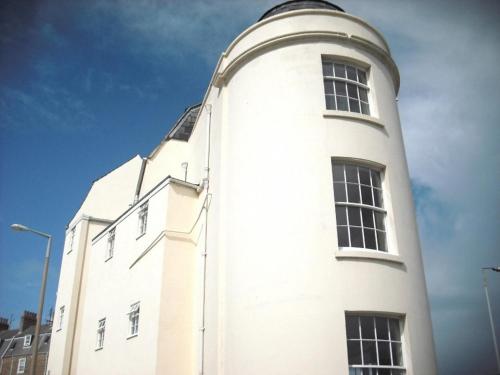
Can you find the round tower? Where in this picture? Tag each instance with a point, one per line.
(314, 258)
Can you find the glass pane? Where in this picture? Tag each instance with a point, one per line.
(384, 371)
(369, 352)
(366, 195)
(364, 176)
(327, 69)
(382, 245)
(384, 354)
(339, 191)
(365, 109)
(376, 179)
(367, 328)
(330, 102)
(361, 77)
(351, 173)
(340, 88)
(352, 90)
(354, 218)
(343, 236)
(394, 327)
(370, 239)
(341, 215)
(328, 86)
(367, 217)
(342, 103)
(363, 94)
(351, 324)
(379, 220)
(340, 70)
(356, 237)
(354, 352)
(397, 354)
(377, 197)
(338, 172)
(351, 73)
(382, 328)
(354, 105)
(353, 193)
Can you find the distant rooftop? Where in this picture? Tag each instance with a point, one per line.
(300, 4)
(183, 128)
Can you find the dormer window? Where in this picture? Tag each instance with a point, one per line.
(346, 87)
(27, 340)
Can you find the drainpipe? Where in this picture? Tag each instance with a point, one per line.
(139, 181)
(206, 186)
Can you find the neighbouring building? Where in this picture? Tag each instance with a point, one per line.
(272, 231)
(16, 346)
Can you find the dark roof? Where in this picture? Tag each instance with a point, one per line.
(12, 341)
(300, 4)
(184, 126)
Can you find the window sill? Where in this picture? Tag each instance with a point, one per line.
(108, 258)
(101, 348)
(132, 336)
(59, 329)
(368, 254)
(329, 113)
(140, 235)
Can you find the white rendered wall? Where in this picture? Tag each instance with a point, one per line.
(278, 287)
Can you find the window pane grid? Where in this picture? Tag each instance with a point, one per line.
(357, 191)
(368, 344)
(345, 88)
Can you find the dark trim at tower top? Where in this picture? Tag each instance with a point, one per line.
(300, 4)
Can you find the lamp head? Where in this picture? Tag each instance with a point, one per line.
(19, 227)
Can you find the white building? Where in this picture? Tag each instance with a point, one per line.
(272, 231)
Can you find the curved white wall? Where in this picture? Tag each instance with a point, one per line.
(278, 287)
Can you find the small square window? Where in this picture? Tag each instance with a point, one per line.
(27, 340)
(21, 365)
(143, 218)
(133, 317)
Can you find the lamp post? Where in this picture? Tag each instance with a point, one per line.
(485, 284)
(23, 228)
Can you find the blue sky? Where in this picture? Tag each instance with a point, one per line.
(86, 85)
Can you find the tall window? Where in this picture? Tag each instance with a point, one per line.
(133, 317)
(101, 328)
(61, 317)
(359, 206)
(374, 345)
(345, 87)
(27, 340)
(111, 244)
(71, 243)
(21, 365)
(143, 218)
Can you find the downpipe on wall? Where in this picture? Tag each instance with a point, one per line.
(205, 185)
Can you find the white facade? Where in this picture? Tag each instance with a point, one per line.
(239, 270)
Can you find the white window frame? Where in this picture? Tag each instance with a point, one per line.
(133, 317)
(359, 83)
(143, 218)
(101, 330)
(392, 342)
(110, 245)
(61, 317)
(27, 341)
(21, 365)
(379, 227)
(71, 243)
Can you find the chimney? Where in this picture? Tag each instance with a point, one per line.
(28, 319)
(4, 324)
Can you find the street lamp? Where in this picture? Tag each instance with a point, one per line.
(485, 284)
(23, 228)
